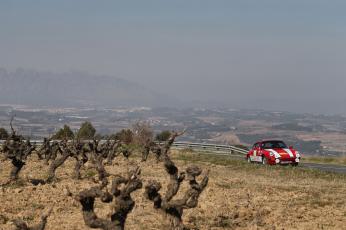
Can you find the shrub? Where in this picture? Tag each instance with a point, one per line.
(64, 133)
(86, 131)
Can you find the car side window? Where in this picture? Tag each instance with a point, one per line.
(267, 145)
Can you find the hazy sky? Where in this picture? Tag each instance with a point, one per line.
(270, 54)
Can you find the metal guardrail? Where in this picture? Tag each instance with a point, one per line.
(212, 148)
(38, 142)
(201, 147)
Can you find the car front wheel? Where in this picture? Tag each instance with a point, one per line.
(264, 160)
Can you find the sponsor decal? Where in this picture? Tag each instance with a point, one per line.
(256, 158)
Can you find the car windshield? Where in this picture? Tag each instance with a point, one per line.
(273, 145)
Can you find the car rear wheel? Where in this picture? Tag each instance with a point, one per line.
(249, 160)
(264, 160)
(295, 164)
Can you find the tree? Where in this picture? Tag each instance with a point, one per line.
(163, 136)
(86, 131)
(3, 134)
(125, 136)
(143, 133)
(64, 133)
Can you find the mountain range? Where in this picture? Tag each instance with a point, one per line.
(29, 87)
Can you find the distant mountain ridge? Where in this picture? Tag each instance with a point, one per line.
(29, 87)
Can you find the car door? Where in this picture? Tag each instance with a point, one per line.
(249, 154)
(260, 151)
(255, 152)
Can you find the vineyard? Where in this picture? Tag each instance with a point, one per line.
(108, 188)
(135, 181)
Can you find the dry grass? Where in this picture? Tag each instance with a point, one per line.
(239, 196)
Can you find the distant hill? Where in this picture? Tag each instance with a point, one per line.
(293, 127)
(29, 87)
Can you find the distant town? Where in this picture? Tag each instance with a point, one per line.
(309, 133)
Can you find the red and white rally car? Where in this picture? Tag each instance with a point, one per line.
(273, 152)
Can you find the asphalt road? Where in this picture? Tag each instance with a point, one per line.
(325, 167)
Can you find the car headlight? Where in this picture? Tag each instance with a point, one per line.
(297, 154)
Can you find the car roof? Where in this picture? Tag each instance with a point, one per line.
(268, 140)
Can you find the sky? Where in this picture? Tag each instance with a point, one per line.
(259, 54)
